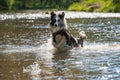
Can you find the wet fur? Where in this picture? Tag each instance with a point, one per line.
(61, 37)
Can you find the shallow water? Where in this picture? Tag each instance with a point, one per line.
(26, 52)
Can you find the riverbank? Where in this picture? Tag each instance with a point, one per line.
(35, 14)
(96, 6)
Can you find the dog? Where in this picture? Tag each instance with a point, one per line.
(62, 39)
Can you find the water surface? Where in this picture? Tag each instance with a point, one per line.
(26, 52)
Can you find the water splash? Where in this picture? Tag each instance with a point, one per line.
(33, 69)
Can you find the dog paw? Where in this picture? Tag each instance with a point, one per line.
(83, 35)
(82, 38)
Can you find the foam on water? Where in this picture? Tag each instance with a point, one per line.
(44, 15)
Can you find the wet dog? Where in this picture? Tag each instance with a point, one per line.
(62, 39)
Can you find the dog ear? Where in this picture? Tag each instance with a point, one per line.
(52, 14)
(63, 14)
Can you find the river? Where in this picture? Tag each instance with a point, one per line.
(26, 52)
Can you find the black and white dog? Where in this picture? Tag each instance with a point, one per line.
(61, 37)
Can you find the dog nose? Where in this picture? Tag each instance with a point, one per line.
(55, 25)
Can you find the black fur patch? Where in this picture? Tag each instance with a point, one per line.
(70, 40)
(62, 32)
(52, 15)
(52, 22)
(62, 15)
(52, 18)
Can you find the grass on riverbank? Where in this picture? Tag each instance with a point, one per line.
(96, 6)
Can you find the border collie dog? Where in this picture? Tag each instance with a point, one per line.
(61, 37)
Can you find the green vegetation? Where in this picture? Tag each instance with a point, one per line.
(72, 5)
(34, 4)
(9, 4)
(96, 6)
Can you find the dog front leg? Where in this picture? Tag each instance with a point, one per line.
(63, 40)
(82, 38)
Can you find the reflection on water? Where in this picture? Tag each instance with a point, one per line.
(26, 52)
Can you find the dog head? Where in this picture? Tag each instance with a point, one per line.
(57, 21)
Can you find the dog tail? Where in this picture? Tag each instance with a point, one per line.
(82, 38)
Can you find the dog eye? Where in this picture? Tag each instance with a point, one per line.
(58, 20)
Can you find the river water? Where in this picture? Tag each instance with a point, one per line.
(26, 52)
